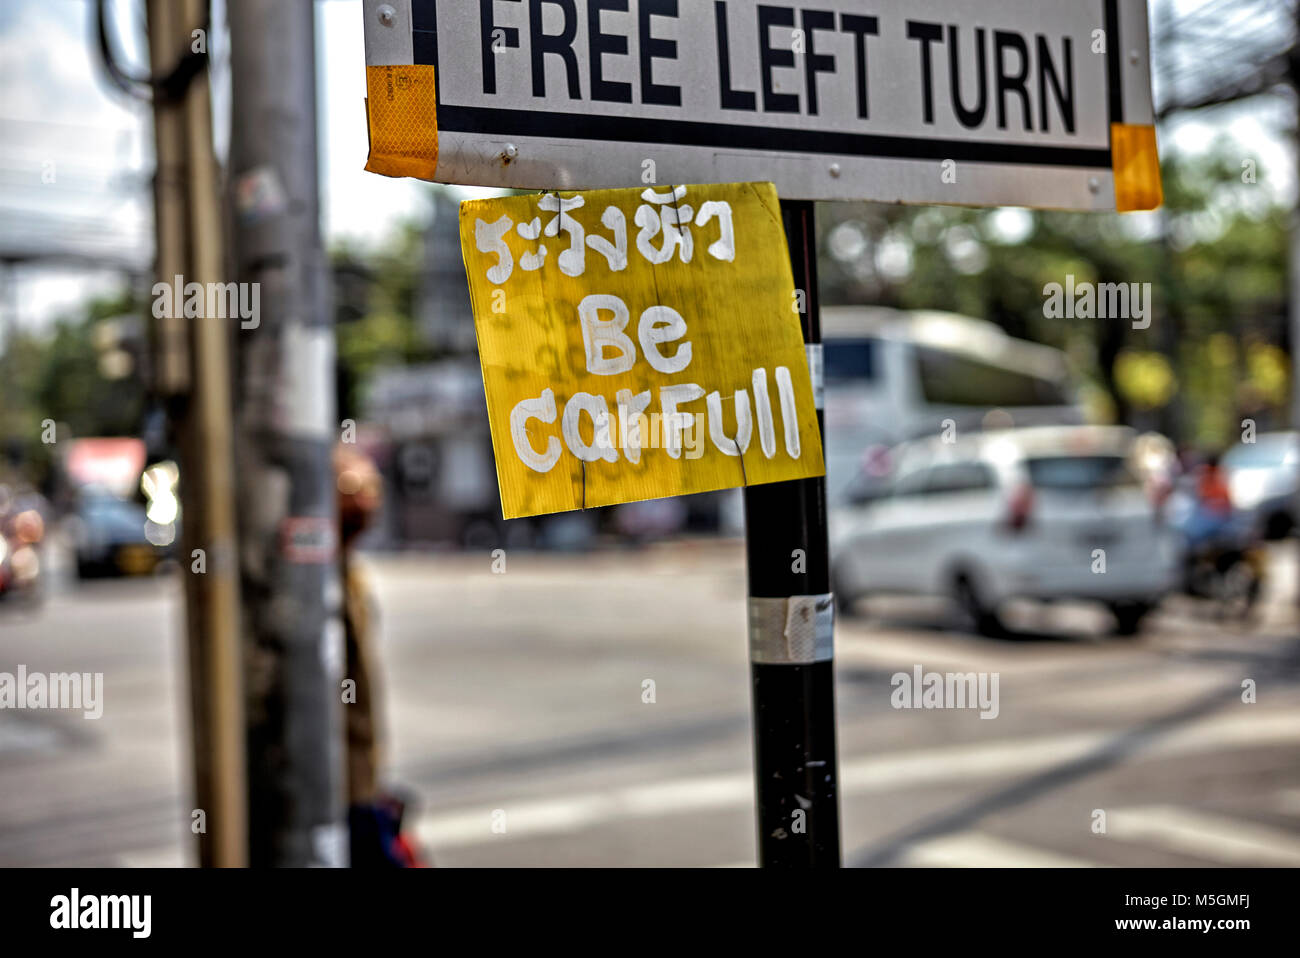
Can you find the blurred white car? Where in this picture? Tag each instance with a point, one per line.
(1052, 512)
(1263, 477)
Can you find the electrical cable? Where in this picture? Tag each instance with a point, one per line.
(165, 88)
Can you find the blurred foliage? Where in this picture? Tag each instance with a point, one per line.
(63, 374)
(377, 322)
(1146, 379)
(1216, 350)
(1215, 256)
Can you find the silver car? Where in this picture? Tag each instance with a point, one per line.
(1263, 477)
(1052, 512)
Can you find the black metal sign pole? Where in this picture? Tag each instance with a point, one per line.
(790, 630)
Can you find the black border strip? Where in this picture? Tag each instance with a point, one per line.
(489, 121)
(602, 128)
(1114, 62)
(424, 15)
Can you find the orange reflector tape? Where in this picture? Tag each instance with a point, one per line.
(1136, 166)
(402, 117)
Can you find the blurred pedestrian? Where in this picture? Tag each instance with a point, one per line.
(1212, 514)
(374, 818)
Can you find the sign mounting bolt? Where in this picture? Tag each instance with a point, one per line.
(387, 15)
(510, 152)
(1094, 184)
(835, 170)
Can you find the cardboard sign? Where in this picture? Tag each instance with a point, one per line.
(638, 343)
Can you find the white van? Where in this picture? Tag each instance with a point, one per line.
(893, 375)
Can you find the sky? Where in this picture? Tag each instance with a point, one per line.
(61, 121)
(76, 156)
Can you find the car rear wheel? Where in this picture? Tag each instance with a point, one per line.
(1237, 590)
(979, 616)
(844, 599)
(1278, 526)
(1129, 616)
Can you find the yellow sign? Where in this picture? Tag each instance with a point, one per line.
(638, 344)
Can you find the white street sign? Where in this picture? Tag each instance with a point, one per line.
(1043, 103)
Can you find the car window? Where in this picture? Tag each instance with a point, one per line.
(1075, 473)
(115, 516)
(1269, 451)
(864, 489)
(960, 477)
(913, 483)
(951, 379)
(849, 360)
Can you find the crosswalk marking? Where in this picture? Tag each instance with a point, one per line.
(21, 735)
(882, 773)
(1205, 835)
(166, 856)
(981, 850)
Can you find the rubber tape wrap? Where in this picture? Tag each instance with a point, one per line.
(796, 630)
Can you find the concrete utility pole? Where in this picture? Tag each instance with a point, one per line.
(285, 428)
(1173, 420)
(192, 374)
(1293, 299)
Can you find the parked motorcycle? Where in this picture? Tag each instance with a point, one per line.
(1224, 560)
(1231, 575)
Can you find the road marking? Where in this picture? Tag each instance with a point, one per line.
(167, 856)
(1288, 800)
(978, 850)
(576, 813)
(1204, 835)
(883, 773)
(23, 735)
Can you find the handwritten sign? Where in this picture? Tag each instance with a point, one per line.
(638, 343)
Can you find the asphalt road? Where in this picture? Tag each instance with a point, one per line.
(516, 713)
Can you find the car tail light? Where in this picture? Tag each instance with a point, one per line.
(1020, 506)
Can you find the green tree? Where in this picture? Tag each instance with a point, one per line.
(1216, 259)
(64, 375)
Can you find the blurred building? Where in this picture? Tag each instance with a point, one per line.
(435, 452)
(442, 302)
(428, 424)
(427, 427)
